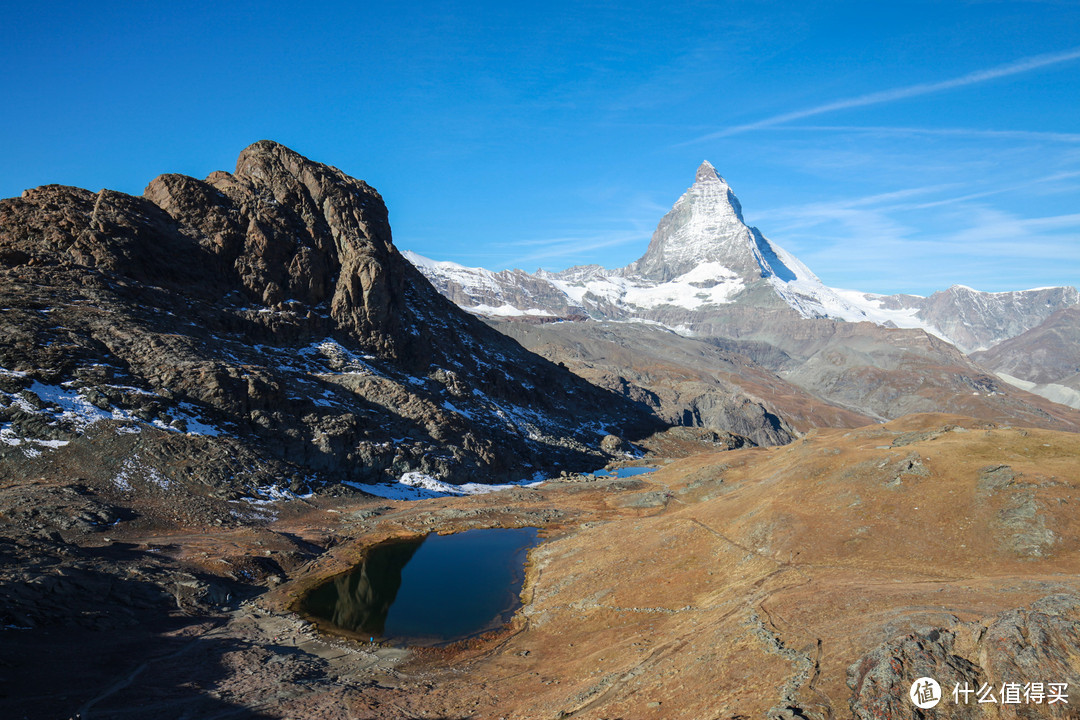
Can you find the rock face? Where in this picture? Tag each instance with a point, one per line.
(293, 230)
(686, 381)
(267, 313)
(887, 373)
(973, 320)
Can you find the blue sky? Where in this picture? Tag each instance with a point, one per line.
(893, 147)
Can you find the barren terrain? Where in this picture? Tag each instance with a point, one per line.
(811, 580)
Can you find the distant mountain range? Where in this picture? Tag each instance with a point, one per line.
(707, 275)
(704, 260)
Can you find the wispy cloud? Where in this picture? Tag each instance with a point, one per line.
(894, 94)
(866, 211)
(808, 215)
(1002, 189)
(870, 249)
(944, 132)
(571, 249)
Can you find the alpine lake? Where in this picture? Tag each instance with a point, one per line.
(429, 590)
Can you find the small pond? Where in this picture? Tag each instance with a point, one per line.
(429, 590)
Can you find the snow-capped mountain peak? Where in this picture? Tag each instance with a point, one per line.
(703, 258)
(704, 226)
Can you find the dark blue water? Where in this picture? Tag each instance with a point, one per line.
(430, 590)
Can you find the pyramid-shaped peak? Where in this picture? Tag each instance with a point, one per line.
(707, 173)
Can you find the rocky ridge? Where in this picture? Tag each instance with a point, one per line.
(973, 320)
(264, 316)
(686, 381)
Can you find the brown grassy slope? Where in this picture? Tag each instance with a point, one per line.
(749, 581)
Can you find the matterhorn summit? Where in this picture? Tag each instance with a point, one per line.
(706, 228)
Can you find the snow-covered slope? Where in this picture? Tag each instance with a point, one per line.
(505, 293)
(703, 260)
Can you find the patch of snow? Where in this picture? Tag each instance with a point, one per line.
(710, 283)
(195, 426)
(856, 306)
(272, 494)
(504, 310)
(31, 447)
(250, 513)
(133, 469)
(464, 413)
(1051, 391)
(420, 486)
(60, 404)
(342, 360)
(122, 480)
(51, 444)
(69, 406)
(524, 420)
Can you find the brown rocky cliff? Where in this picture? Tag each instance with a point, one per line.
(291, 229)
(272, 303)
(107, 231)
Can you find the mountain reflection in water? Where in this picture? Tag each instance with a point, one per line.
(360, 600)
(429, 590)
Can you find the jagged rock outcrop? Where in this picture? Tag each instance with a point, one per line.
(297, 231)
(267, 312)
